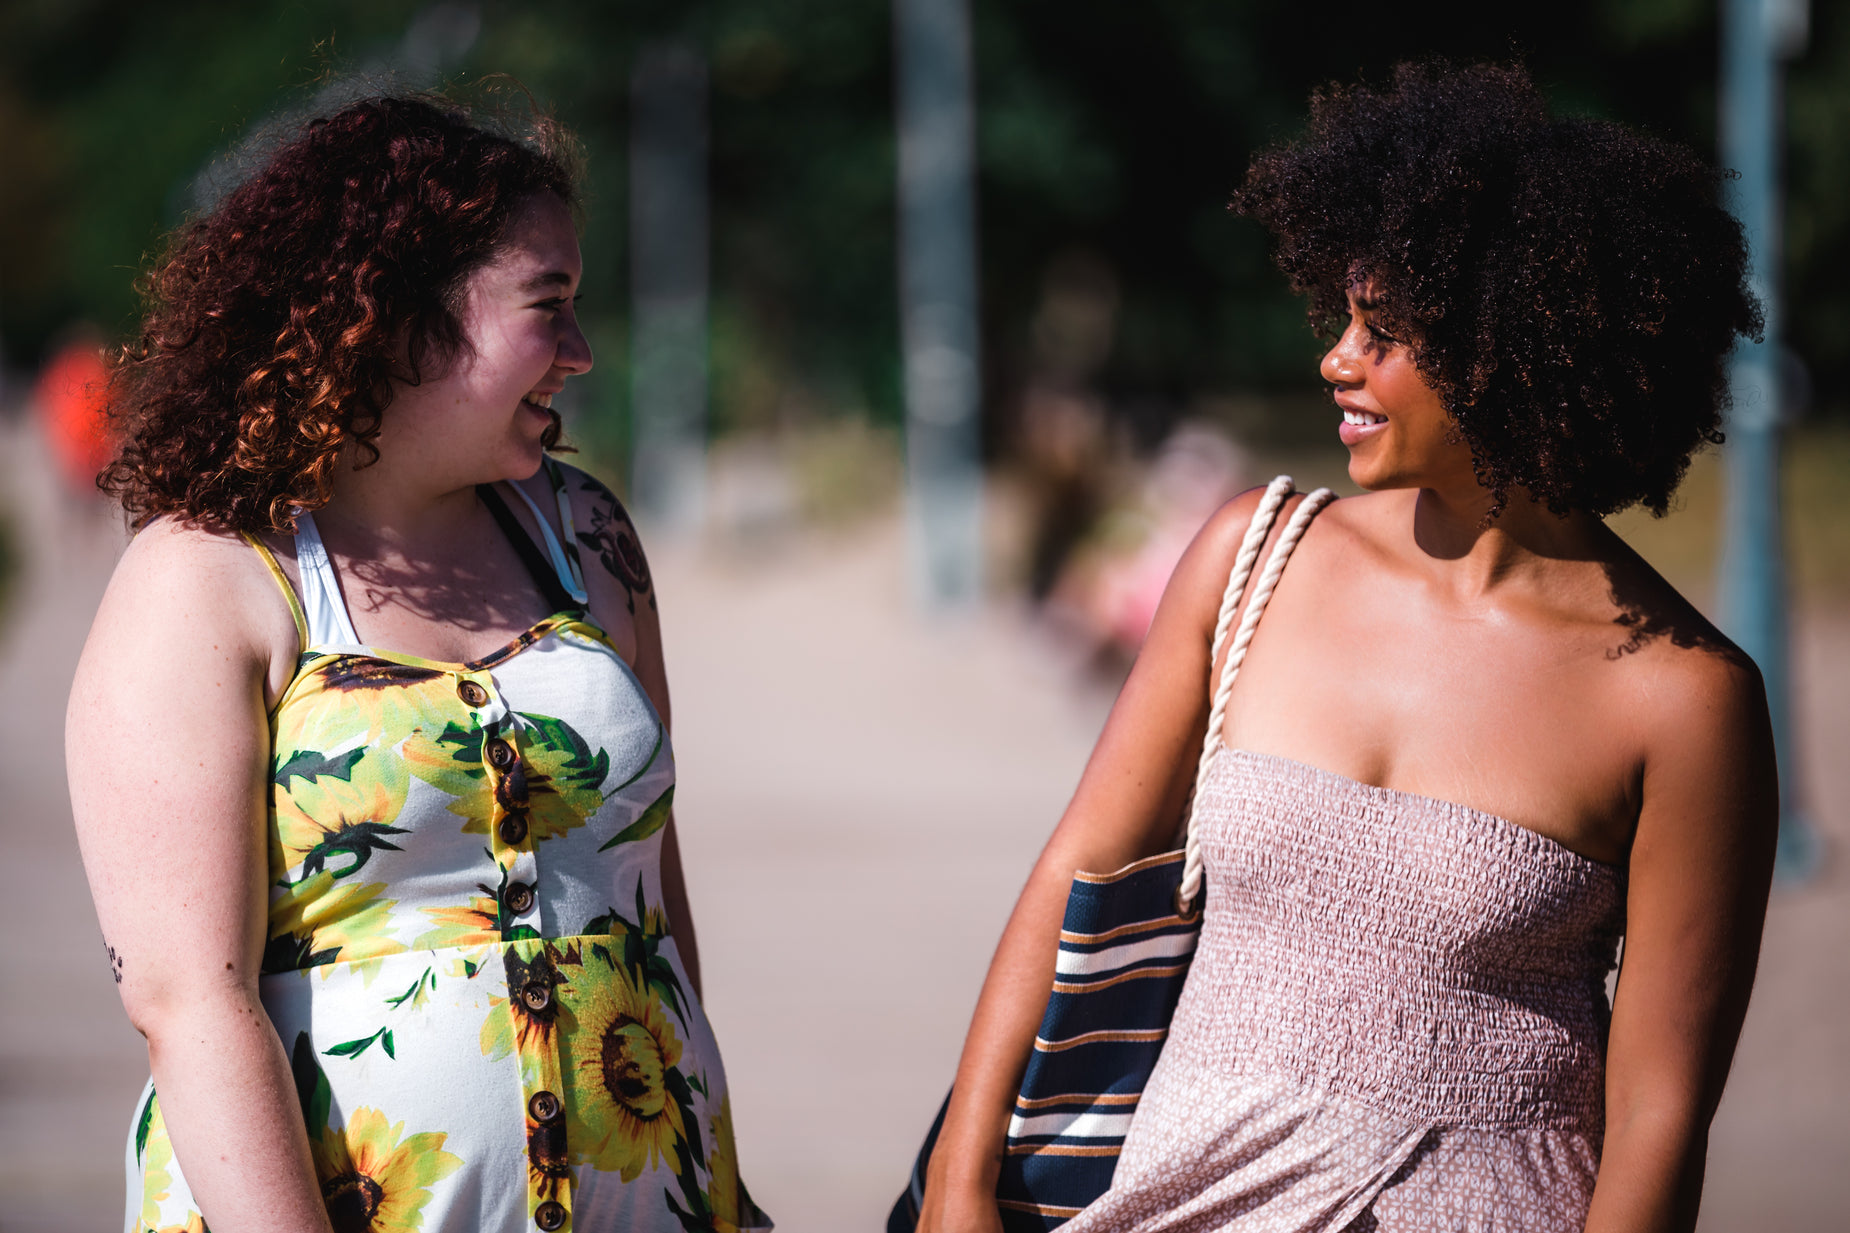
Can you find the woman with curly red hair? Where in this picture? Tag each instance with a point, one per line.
(371, 774)
(1474, 741)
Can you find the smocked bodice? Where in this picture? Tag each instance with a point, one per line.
(1424, 957)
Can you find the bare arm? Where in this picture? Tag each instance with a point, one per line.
(1700, 867)
(1127, 806)
(622, 591)
(168, 751)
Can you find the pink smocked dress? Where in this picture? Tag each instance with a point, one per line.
(1395, 1022)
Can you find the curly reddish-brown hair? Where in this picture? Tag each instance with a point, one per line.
(1570, 288)
(278, 323)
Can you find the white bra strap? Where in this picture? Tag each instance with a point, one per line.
(1263, 518)
(322, 606)
(562, 564)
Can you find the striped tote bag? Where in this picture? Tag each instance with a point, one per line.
(1125, 946)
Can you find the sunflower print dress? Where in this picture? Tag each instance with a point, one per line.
(468, 961)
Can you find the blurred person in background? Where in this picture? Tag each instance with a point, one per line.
(71, 398)
(1109, 590)
(1476, 741)
(369, 744)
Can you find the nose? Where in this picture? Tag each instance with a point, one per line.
(1340, 365)
(574, 353)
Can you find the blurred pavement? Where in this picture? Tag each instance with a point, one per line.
(862, 792)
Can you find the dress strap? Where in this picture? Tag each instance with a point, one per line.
(1263, 518)
(558, 599)
(282, 582)
(564, 557)
(328, 622)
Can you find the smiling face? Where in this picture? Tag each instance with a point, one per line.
(483, 417)
(1397, 431)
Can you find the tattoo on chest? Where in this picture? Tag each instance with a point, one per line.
(115, 961)
(613, 537)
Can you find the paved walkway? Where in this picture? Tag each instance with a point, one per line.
(862, 793)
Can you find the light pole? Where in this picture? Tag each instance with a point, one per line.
(1756, 36)
(937, 234)
(668, 285)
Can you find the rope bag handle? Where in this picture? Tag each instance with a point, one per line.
(1263, 518)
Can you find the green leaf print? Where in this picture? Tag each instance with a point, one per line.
(286, 952)
(417, 990)
(358, 840)
(698, 1218)
(564, 776)
(141, 1127)
(386, 1041)
(353, 1048)
(311, 1086)
(450, 762)
(311, 764)
(653, 819)
(640, 943)
(581, 766)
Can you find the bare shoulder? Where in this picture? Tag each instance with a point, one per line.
(1201, 577)
(1700, 706)
(187, 595)
(605, 537)
(1697, 673)
(201, 570)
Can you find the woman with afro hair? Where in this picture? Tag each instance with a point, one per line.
(1475, 741)
(369, 746)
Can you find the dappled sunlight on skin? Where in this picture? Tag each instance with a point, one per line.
(1650, 609)
(482, 592)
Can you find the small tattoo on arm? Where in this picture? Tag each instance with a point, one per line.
(613, 537)
(115, 962)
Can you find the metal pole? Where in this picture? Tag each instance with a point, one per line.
(668, 285)
(937, 232)
(1756, 34)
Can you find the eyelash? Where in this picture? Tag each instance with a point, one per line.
(559, 301)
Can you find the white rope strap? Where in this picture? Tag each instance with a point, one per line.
(1262, 595)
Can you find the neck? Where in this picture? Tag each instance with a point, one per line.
(381, 507)
(1523, 544)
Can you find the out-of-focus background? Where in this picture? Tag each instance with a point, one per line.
(820, 232)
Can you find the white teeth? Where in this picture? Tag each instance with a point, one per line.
(540, 400)
(1361, 419)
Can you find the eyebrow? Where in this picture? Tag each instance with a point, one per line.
(546, 281)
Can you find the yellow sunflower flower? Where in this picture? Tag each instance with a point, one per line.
(352, 694)
(448, 757)
(474, 925)
(565, 776)
(723, 1160)
(195, 1223)
(321, 921)
(621, 1116)
(156, 1181)
(549, 1165)
(337, 822)
(514, 1022)
(371, 1181)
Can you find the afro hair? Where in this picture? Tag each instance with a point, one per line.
(1570, 288)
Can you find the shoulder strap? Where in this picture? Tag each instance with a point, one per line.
(282, 582)
(328, 621)
(564, 558)
(1263, 518)
(557, 598)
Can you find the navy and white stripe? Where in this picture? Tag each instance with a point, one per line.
(1124, 952)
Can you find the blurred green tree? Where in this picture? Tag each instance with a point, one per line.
(1108, 130)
